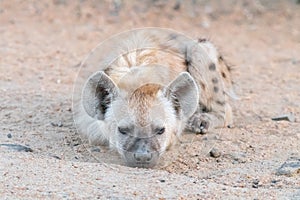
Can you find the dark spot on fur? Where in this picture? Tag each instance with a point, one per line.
(187, 60)
(221, 103)
(204, 109)
(216, 89)
(212, 67)
(214, 80)
(202, 40)
(172, 36)
(224, 75)
(202, 86)
(228, 66)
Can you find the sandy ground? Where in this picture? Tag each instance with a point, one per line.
(41, 46)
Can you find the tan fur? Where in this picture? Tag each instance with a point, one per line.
(138, 58)
(158, 84)
(142, 100)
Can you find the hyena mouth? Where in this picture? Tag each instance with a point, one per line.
(143, 160)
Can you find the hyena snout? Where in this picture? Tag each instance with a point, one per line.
(142, 154)
(143, 157)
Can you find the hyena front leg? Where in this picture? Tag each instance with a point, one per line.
(213, 110)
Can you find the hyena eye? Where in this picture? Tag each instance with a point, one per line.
(123, 131)
(160, 131)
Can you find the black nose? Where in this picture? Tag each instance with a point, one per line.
(143, 157)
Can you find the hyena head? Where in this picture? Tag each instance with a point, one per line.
(142, 123)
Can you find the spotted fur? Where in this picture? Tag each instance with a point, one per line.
(155, 86)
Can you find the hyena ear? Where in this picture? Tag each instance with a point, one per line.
(98, 92)
(184, 94)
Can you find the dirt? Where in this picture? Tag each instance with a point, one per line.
(41, 47)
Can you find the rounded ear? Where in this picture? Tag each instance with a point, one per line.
(98, 92)
(184, 94)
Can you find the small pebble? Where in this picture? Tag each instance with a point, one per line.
(290, 167)
(238, 158)
(273, 182)
(57, 157)
(177, 6)
(17, 147)
(95, 149)
(255, 183)
(9, 135)
(76, 143)
(57, 124)
(286, 117)
(215, 153)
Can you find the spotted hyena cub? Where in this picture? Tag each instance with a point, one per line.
(157, 86)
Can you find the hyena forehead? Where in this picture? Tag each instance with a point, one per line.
(136, 76)
(147, 105)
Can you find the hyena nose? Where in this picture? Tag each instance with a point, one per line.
(143, 157)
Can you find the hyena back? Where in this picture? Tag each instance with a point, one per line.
(144, 99)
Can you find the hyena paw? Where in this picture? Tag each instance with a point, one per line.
(199, 123)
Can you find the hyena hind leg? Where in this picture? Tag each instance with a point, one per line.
(202, 122)
(204, 65)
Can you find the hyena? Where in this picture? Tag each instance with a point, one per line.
(145, 98)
